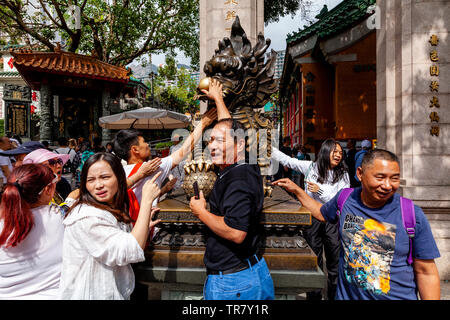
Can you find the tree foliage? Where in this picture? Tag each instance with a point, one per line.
(175, 88)
(116, 31)
(274, 9)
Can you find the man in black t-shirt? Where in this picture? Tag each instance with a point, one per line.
(235, 268)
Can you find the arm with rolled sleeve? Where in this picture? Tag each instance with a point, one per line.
(106, 242)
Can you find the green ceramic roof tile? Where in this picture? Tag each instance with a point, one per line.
(8, 74)
(339, 18)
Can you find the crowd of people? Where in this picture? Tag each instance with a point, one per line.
(75, 219)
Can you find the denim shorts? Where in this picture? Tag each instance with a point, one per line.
(254, 283)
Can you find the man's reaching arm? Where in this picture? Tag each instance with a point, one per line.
(188, 145)
(309, 203)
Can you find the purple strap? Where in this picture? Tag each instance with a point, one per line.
(343, 196)
(409, 222)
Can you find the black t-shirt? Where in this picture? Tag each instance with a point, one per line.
(238, 196)
(63, 188)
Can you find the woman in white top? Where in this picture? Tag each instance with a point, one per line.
(99, 241)
(31, 235)
(323, 180)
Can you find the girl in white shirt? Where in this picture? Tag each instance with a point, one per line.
(31, 235)
(99, 242)
(324, 178)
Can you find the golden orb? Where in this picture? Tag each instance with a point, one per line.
(204, 83)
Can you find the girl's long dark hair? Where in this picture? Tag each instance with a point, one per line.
(323, 162)
(21, 192)
(119, 208)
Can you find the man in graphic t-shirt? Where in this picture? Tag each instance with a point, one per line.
(373, 262)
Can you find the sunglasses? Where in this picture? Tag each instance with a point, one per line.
(55, 180)
(54, 162)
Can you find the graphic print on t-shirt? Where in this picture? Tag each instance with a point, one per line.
(368, 252)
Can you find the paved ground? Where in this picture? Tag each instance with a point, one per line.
(445, 290)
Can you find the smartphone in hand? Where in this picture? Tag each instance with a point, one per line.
(196, 191)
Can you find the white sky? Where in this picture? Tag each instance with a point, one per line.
(277, 32)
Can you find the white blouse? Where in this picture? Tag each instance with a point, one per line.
(31, 270)
(97, 253)
(327, 190)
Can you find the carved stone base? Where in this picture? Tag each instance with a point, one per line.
(280, 253)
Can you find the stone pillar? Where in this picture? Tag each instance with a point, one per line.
(405, 104)
(106, 133)
(216, 18)
(46, 117)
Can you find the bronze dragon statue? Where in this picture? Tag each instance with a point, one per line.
(246, 75)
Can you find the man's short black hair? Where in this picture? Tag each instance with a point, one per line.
(381, 154)
(233, 124)
(62, 141)
(123, 142)
(286, 139)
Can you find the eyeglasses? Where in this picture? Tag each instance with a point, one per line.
(55, 180)
(54, 162)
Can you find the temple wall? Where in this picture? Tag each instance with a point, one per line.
(407, 122)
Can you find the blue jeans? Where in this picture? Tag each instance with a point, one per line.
(254, 283)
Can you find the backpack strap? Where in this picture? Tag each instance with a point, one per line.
(343, 196)
(409, 222)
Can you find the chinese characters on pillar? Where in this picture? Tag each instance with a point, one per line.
(434, 86)
(230, 14)
(34, 101)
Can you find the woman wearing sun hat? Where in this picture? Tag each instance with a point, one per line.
(55, 162)
(21, 151)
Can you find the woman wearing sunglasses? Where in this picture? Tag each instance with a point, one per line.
(31, 235)
(55, 162)
(100, 243)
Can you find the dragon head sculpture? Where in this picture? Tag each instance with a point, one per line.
(246, 77)
(248, 83)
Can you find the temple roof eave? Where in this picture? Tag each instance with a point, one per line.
(67, 63)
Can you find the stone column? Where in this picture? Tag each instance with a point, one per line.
(404, 95)
(406, 104)
(46, 117)
(106, 133)
(216, 18)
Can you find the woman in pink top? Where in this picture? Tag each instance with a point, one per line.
(31, 235)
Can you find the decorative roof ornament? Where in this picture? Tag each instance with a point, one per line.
(322, 12)
(331, 22)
